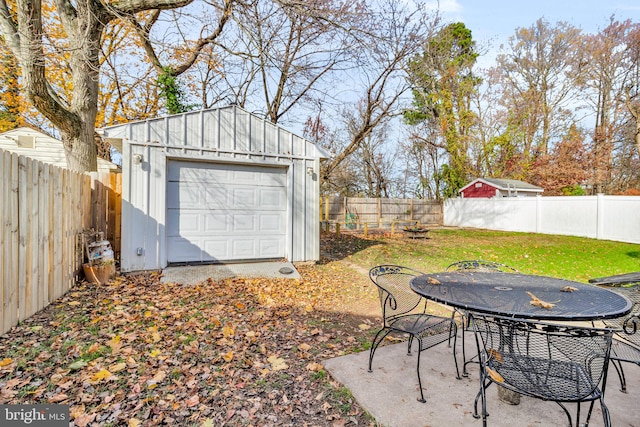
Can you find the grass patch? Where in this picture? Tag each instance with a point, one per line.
(568, 257)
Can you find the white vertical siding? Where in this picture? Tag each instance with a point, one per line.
(227, 134)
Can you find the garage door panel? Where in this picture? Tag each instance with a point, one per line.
(272, 199)
(187, 223)
(270, 248)
(271, 222)
(244, 222)
(244, 248)
(224, 212)
(244, 198)
(216, 222)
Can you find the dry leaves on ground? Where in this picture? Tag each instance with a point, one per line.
(138, 352)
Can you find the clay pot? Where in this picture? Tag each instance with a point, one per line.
(99, 273)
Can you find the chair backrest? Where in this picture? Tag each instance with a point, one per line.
(540, 359)
(396, 296)
(481, 265)
(628, 326)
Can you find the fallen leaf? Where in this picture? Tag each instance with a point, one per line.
(277, 363)
(228, 331)
(94, 348)
(568, 289)
(495, 354)
(304, 347)
(314, 366)
(494, 375)
(537, 302)
(364, 327)
(100, 375)
(117, 367)
(5, 362)
(228, 357)
(155, 353)
(134, 422)
(58, 398)
(115, 344)
(79, 364)
(433, 281)
(193, 401)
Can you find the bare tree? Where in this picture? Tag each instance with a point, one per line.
(394, 34)
(538, 73)
(83, 23)
(611, 79)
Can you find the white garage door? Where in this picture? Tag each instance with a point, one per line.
(225, 212)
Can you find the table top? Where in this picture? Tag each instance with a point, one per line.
(512, 294)
(617, 279)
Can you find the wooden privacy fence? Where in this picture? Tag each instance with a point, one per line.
(44, 210)
(354, 212)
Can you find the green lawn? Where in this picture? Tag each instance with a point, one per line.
(567, 257)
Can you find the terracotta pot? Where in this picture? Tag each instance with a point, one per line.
(99, 273)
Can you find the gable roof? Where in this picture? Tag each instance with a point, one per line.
(221, 128)
(36, 144)
(506, 185)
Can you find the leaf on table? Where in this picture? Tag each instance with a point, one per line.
(537, 302)
(568, 289)
(494, 375)
(433, 281)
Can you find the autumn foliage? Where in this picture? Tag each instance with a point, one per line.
(235, 352)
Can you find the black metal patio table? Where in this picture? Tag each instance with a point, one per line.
(514, 295)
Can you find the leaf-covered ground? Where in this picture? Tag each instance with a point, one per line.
(239, 352)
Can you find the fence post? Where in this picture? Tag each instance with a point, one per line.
(366, 230)
(600, 216)
(326, 208)
(337, 229)
(538, 213)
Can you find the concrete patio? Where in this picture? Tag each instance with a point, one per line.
(389, 392)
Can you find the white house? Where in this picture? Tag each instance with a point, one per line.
(217, 185)
(29, 142)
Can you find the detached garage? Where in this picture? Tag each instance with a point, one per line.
(216, 186)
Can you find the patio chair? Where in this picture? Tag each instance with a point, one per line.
(552, 362)
(405, 312)
(626, 340)
(474, 265)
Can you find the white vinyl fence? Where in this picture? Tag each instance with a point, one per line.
(600, 217)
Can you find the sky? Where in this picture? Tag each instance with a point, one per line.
(494, 21)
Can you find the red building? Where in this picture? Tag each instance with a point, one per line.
(492, 187)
